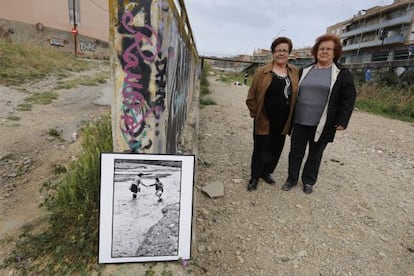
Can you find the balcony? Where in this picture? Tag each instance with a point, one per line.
(381, 25)
(374, 43)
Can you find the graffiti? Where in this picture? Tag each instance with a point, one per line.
(87, 46)
(178, 89)
(154, 75)
(57, 42)
(140, 52)
(5, 33)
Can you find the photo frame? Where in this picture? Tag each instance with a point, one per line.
(146, 206)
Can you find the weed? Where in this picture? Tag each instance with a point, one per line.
(13, 118)
(207, 164)
(43, 98)
(24, 106)
(204, 90)
(99, 78)
(207, 101)
(69, 243)
(54, 132)
(22, 63)
(60, 169)
(395, 101)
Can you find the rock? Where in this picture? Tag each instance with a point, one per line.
(214, 189)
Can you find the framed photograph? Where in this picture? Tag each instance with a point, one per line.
(146, 204)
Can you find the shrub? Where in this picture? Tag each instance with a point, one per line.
(70, 242)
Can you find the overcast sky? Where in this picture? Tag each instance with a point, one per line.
(229, 27)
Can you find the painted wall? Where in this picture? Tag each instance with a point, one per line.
(46, 37)
(93, 15)
(155, 67)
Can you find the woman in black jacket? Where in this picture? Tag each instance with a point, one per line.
(325, 103)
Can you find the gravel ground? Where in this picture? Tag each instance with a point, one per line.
(358, 221)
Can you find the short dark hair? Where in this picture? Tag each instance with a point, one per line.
(281, 40)
(328, 37)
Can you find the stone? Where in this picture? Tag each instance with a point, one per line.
(214, 189)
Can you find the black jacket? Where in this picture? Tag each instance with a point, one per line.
(341, 101)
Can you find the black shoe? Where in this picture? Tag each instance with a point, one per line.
(252, 184)
(287, 186)
(268, 178)
(307, 189)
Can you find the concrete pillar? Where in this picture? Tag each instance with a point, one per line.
(139, 72)
(154, 65)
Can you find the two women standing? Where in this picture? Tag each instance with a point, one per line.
(322, 105)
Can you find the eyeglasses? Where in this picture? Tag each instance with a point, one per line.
(282, 51)
(325, 49)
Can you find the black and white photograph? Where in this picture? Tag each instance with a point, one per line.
(145, 207)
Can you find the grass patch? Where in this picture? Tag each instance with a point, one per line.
(204, 87)
(22, 63)
(37, 98)
(395, 102)
(13, 118)
(207, 101)
(69, 244)
(99, 78)
(53, 132)
(24, 106)
(231, 77)
(42, 98)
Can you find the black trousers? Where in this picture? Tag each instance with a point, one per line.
(266, 153)
(302, 136)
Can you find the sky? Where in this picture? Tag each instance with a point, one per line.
(231, 27)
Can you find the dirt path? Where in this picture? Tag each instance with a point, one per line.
(358, 221)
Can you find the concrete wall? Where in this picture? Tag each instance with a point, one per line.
(93, 15)
(47, 37)
(155, 68)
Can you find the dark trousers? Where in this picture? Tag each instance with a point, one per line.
(302, 136)
(266, 153)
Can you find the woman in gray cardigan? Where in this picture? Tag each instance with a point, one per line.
(325, 103)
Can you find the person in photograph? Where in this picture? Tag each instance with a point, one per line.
(135, 185)
(325, 103)
(159, 188)
(271, 100)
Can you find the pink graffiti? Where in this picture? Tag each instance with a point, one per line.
(147, 49)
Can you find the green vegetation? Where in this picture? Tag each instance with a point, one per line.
(21, 63)
(99, 78)
(204, 87)
(65, 240)
(69, 243)
(388, 96)
(393, 102)
(231, 77)
(53, 132)
(24, 106)
(13, 117)
(42, 98)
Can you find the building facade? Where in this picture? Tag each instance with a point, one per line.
(378, 36)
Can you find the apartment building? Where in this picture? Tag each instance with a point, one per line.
(378, 36)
